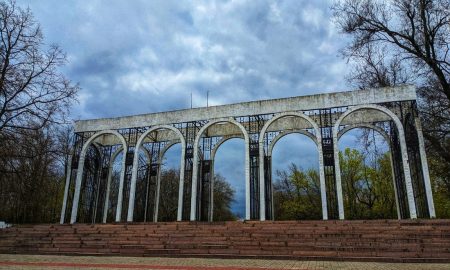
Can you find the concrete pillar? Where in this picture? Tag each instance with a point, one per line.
(211, 193)
(108, 191)
(193, 216)
(271, 189)
(157, 191)
(337, 169)
(399, 216)
(262, 198)
(247, 174)
(323, 191)
(76, 196)
(121, 182)
(426, 174)
(134, 172)
(181, 185)
(66, 188)
(407, 171)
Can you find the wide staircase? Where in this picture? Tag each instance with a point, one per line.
(378, 240)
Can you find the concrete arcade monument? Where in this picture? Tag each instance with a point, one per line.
(142, 140)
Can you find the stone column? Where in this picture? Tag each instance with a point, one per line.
(157, 191)
(121, 181)
(181, 183)
(108, 191)
(337, 170)
(323, 191)
(426, 174)
(407, 171)
(211, 193)
(134, 172)
(262, 201)
(66, 188)
(76, 196)
(247, 176)
(399, 216)
(194, 178)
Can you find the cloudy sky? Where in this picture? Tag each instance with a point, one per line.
(141, 56)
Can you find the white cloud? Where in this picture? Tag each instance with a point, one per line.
(313, 16)
(195, 43)
(159, 82)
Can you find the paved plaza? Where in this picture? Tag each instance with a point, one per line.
(87, 262)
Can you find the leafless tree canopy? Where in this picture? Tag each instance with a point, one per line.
(34, 99)
(32, 175)
(32, 90)
(414, 31)
(405, 41)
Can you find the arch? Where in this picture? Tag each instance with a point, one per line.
(405, 163)
(384, 134)
(282, 134)
(135, 169)
(80, 169)
(166, 148)
(381, 131)
(195, 166)
(222, 141)
(321, 166)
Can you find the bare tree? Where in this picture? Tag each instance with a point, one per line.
(406, 41)
(403, 41)
(31, 176)
(373, 66)
(34, 99)
(416, 31)
(32, 90)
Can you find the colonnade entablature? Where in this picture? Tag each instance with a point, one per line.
(92, 194)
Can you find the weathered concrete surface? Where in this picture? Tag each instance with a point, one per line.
(283, 124)
(311, 102)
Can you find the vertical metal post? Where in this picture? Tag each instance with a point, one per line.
(328, 149)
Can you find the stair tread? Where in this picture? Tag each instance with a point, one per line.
(413, 240)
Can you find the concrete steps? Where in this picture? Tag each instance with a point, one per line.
(378, 240)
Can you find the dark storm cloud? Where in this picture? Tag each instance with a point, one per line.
(141, 56)
(145, 56)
